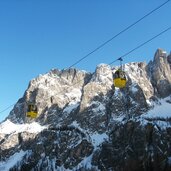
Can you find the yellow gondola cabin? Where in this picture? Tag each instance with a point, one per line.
(119, 79)
(32, 110)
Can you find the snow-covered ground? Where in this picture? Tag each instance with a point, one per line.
(8, 127)
(160, 110)
(98, 139)
(158, 114)
(74, 97)
(12, 161)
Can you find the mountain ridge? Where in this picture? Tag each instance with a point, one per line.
(86, 123)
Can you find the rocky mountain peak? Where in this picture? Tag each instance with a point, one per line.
(160, 53)
(61, 92)
(138, 76)
(160, 72)
(103, 74)
(85, 123)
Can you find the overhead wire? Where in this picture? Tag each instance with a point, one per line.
(121, 57)
(115, 36)
(127, 53)
(7, 108)
(122, 31)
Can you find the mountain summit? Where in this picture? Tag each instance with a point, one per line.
(85, 123)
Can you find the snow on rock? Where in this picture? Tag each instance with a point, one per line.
(75, 124)
(97, 139)
(159, 114)
(118, 92)
(8, 127)
(74, 97)
(160, 110)
(134, 71)
(46, 82)
(101, 109)
(86, 163)
(134, 88)
(98, 107)
(12, 161)
(99, 85)
(103, 74)
(71, 106)
(138, 74)
(160, 73)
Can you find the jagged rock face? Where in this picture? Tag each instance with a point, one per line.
(100, 83)
(51, 92)
(160, 70)
(56, 88)
(90, 99)
(133, 146)
(17, 115)
(10, 143)
(86, 97)
(94, 99)
(139, 88)
(139, 77)
(53, 148)
(72, 99)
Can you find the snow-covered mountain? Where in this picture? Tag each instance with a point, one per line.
(85, 123)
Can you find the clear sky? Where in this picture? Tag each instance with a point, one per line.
(37, 35)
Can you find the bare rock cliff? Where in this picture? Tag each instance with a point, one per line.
(88, 124)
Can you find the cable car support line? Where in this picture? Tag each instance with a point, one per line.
(120, 58)
(139, 46)
(115, 36)
(109, 40)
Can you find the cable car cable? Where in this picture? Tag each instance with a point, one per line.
(121, 57)
(141, 45)
(109, 40)
(7, 108)
(124, 30)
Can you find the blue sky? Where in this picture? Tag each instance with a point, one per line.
(36, 36)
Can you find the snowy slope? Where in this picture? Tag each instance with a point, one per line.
(160, 110)
(92, 124)
(5, 166)
(8, 127)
